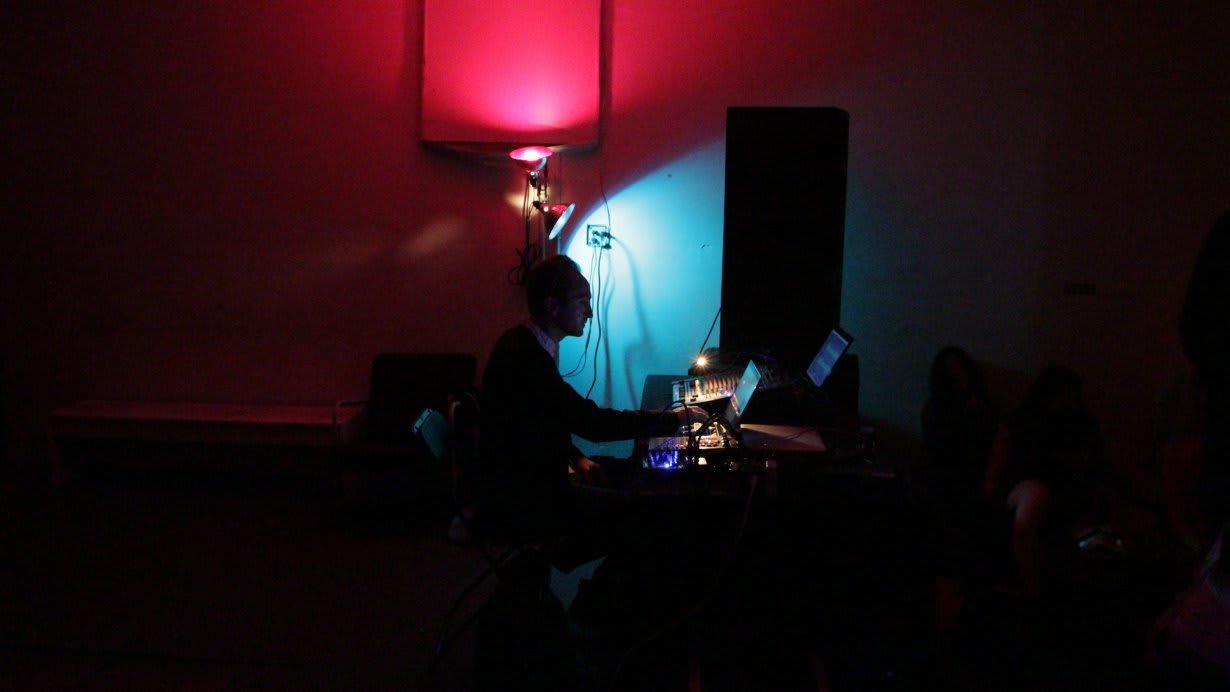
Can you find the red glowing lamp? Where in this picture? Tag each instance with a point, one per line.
(555, 217)
(531, 159)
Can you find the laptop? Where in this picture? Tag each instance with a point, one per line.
(770, 437)
(833, 348)
(749, 382)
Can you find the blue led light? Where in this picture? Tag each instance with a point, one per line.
(663, 459)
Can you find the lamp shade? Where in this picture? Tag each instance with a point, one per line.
(556, 218)
(531, 159)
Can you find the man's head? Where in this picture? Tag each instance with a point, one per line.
(558, 296)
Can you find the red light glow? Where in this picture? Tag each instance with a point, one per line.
(485, 81)
(532, 159)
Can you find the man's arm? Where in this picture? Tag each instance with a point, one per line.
(585, 418)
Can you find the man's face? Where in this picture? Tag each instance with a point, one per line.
(570, 313)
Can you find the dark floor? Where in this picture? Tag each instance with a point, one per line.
(208, 580)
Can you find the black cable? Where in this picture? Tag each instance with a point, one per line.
(599, 285)
(583, 359)
(589, 333)
(599, 321)
(720, 421)
(604, 313)
(693, 433)
(688, 426)
(599, 297)
(530, 252)
(712, 324)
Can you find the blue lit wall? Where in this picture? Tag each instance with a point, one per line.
(661, 279)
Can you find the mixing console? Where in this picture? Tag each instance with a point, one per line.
(705, 388)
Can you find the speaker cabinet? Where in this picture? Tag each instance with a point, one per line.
(784, 231)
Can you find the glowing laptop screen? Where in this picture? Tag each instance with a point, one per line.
(748, 382)
(832, 349)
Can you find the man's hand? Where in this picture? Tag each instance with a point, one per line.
(590, 471)
(689, 415)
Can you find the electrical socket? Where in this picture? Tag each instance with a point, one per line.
(599, 236)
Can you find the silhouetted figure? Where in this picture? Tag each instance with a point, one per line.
(1191, 639)
(528, 415)
(1044, 467)
(958, 423)
(1205, 332)
(1177, 429)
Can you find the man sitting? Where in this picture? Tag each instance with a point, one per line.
(529, 414)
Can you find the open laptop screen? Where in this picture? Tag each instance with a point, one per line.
(748, 382)
(832, 349)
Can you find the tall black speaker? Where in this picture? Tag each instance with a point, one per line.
(785, 230)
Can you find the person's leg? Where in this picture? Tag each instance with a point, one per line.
(1031, 503)
(1214, 474)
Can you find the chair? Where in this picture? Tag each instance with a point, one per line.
(403, 385)
(453, 438)
(521, 628)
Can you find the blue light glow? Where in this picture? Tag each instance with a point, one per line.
(663, 459)
(660, 281)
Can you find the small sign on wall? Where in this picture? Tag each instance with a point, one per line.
(497, 74)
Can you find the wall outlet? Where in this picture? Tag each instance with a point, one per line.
(598, 236)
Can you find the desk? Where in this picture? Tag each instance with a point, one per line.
(811, 548)
(243, 424)
(766, 450)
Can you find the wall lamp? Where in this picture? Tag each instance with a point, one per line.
(555, 217)
(534, 161)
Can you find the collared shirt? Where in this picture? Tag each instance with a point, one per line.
(551, 346)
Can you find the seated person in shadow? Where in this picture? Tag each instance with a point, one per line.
(528, 414)
(958, 426)
(1044, 468)
(1204, 328)
(1177, 455)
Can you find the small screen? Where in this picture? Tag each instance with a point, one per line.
(748, 383)
(822, 365)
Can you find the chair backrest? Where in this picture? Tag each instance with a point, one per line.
(403, 384)
(453, 439)
(463, 426)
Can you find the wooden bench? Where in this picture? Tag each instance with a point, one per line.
(211, 423)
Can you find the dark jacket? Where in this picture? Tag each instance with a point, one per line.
(528, 416)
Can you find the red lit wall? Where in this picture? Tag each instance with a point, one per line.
(230, 201)
(502, 73)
